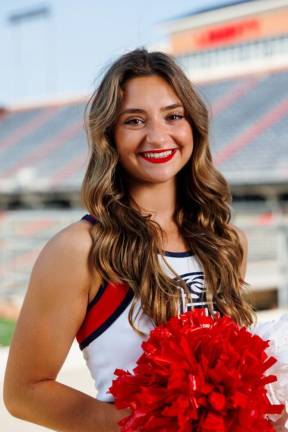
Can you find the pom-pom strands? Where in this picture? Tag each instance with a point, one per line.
(276, 332)
(197, 374)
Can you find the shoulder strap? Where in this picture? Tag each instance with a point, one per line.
(89, 218)
(109, 303)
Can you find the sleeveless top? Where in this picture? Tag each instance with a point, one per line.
(106, 338)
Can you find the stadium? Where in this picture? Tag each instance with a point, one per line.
(237, 56)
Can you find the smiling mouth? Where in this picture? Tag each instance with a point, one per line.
(158, 156)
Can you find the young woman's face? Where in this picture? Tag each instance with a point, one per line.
(152, 135)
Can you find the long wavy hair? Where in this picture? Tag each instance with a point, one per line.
(127, 244)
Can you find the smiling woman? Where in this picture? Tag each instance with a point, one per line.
(153, 136)
(157, 242)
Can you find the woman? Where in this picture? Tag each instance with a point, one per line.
(158, 241)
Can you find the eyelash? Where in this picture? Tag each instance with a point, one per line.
(133, 121)
(179, 116)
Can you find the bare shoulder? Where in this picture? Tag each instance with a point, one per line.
(74, 239)
(69, 246)
(65, 256)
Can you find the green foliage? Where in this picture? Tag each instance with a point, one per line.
(7, 327)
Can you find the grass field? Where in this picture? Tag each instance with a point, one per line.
(6, 331)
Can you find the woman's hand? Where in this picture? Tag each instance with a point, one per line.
(279, 425)
(120, 414)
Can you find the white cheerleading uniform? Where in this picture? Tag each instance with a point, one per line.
(106, 338)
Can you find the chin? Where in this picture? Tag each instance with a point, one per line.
(156, 176)
(163, 178)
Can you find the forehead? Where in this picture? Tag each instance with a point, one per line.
(147, 90)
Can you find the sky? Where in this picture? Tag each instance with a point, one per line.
(62, 55)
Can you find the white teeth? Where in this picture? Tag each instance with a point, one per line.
(158, 155)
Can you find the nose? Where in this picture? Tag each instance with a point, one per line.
(157, 133)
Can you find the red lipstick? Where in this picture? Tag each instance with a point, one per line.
(151, 156)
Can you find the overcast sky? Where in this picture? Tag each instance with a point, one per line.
(62, 54)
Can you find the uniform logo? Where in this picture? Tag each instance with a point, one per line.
(197, 296)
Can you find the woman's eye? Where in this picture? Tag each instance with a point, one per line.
(175, 116)
(134, 121)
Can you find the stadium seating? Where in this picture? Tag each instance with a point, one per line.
(46, 147)
(249, 131)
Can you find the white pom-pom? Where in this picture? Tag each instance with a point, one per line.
(276, 332)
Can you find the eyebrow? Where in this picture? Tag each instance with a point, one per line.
(141, 111)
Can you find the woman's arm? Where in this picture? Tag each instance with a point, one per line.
(52, 312)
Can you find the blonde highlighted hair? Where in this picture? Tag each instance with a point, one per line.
(126, 244)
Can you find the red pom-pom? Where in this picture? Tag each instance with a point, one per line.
(197, 373)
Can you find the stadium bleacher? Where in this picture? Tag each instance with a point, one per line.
(44, 141)
(249, 131)
(46, 147)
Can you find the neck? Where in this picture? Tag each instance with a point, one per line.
(158, 200)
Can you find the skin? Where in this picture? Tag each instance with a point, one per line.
(53, 309)
(153, 118)
(62, 284)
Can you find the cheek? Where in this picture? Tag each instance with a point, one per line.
(118, 139)
(185, 137)
(125, 142)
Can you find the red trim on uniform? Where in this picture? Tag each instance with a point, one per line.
(107, 304)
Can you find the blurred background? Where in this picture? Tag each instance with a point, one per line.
(52, 56)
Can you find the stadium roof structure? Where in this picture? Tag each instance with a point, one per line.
(220, 12)
(44, 148)
(201, 10)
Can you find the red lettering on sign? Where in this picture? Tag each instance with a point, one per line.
(227, 33)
